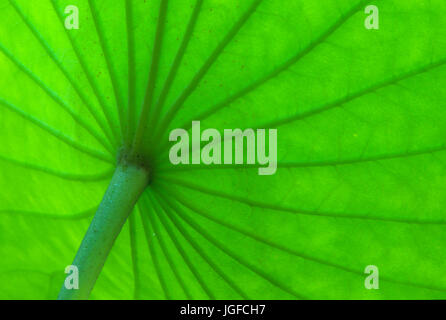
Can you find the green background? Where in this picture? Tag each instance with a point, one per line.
(361, 119)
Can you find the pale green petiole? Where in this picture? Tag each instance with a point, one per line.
(125, 188)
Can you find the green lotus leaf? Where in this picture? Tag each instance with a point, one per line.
(361, 122)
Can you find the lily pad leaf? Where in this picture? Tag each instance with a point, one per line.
(361, 120)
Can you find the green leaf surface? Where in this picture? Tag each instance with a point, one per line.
(361, 122)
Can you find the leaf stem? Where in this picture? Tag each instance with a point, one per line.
(126, 186)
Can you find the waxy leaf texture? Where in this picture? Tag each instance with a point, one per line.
(361, 120)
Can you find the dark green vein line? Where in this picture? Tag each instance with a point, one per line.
(26, 272)
(94, 153)
(293, 60)
(314, 164)
(390, 156)
(176, 63)
(356, 95)
(43, 215)
(51, 53)
(134, 254)
(148, 231)
(131, 72)
(111, 70)
(218, 244)
(168, 257)
(183, 254)
(148, 99)
(257, 204)
(283, 248)
(53, 95)
(205, 68)
(59, 174)
(232, 284)
(102, 101)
